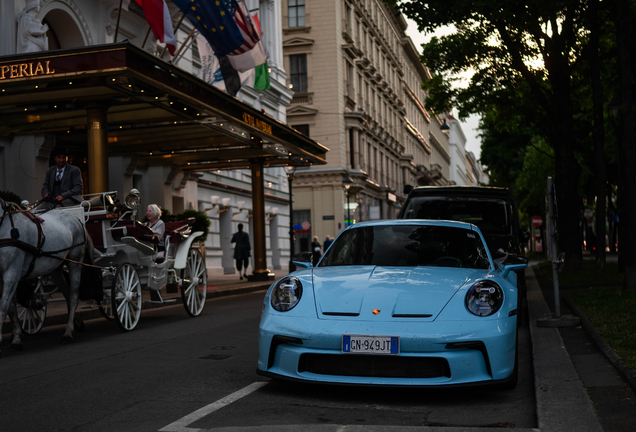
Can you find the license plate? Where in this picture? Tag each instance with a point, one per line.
(365, 344)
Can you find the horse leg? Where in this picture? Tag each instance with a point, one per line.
(72, 297)
(8, 285)
(16, 341)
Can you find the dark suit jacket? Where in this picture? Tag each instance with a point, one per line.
(71, 183)
(242, 248)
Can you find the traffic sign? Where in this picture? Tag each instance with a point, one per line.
(537, 221)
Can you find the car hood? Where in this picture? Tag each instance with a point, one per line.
(398, 293)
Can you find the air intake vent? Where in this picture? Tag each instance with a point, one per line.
(374, 366)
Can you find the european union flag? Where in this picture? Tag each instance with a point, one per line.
(215, 21)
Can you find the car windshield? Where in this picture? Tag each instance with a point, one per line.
(408, 246)
(491, 215)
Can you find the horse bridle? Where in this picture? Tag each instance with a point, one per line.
(15, 235)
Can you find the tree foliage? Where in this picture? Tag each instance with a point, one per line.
(521, 57)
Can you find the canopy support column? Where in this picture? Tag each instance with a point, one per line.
(261, 273)
(97, 157)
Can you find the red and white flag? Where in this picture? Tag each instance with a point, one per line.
(249, 31)
(244, 59)
(158, 16)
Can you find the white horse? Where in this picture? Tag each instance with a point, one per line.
(31, 247)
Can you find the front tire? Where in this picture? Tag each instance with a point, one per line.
(194, 286)
(126, 297)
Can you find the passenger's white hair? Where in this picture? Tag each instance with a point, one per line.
(155, 210)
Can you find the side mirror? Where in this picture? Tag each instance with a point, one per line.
(512, 263)
(303, 259)
(525, 236)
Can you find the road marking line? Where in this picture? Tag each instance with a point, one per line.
(180, 425)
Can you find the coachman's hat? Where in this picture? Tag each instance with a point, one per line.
(59, 150)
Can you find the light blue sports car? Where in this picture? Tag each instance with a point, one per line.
(395, 303)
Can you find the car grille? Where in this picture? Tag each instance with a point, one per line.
(374, 366)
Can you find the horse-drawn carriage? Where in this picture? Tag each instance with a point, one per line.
(128, 256)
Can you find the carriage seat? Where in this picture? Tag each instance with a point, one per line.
(177, 231)
(136, 230)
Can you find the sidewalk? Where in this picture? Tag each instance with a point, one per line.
(218, 286)
(562, 400)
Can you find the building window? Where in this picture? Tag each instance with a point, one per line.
(296, 11)
(352, 149)
(303, 129)
(350, 75)
(298, 72)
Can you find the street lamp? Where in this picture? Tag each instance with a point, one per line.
(346, 185)
(444, 126)
(290, 178)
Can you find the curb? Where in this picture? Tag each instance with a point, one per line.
(559, 391)
(615, 360)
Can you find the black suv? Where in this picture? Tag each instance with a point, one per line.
(492, 209)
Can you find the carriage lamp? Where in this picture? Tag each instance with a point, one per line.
(133, 199)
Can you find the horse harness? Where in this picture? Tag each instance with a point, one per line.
(35, 251)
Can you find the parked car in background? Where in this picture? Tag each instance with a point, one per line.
(492, 209)
(395, 303)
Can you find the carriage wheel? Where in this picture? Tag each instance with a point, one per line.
(107, 310)
(126, 297)
(33, 314)
(194, 287)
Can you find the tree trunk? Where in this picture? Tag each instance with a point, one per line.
(598, 136)
(626, 156)
(567, 170)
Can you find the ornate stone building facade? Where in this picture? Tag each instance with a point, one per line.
(356, 78)
(80, 23)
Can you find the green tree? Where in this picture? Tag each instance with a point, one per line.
(531, 46)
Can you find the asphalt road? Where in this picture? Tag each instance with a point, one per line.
(176, 373)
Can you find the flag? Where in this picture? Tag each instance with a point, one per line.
(212, 73)
(210, 67)
(215, 21)
(243, 61)
(158, 17)
(261, 78)
(245, 66)
(230, 76)
(251, 34)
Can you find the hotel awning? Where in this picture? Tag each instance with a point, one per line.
(118, 100)
(154, 110)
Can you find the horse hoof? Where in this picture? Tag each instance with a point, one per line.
(79, 326)
(66, 340)
(16, 347)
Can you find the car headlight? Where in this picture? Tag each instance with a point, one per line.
(286, 294)
(484, 298)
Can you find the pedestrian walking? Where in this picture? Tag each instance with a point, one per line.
(242, 250)
(328, 241)
(315, 249)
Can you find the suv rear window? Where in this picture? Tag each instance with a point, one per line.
(491, 215)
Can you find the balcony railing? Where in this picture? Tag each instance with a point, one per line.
(302, 99)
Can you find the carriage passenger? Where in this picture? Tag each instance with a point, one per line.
(153, 213)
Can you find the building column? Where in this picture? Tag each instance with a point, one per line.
(97, 158)
(261, 273)
(8, 28)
